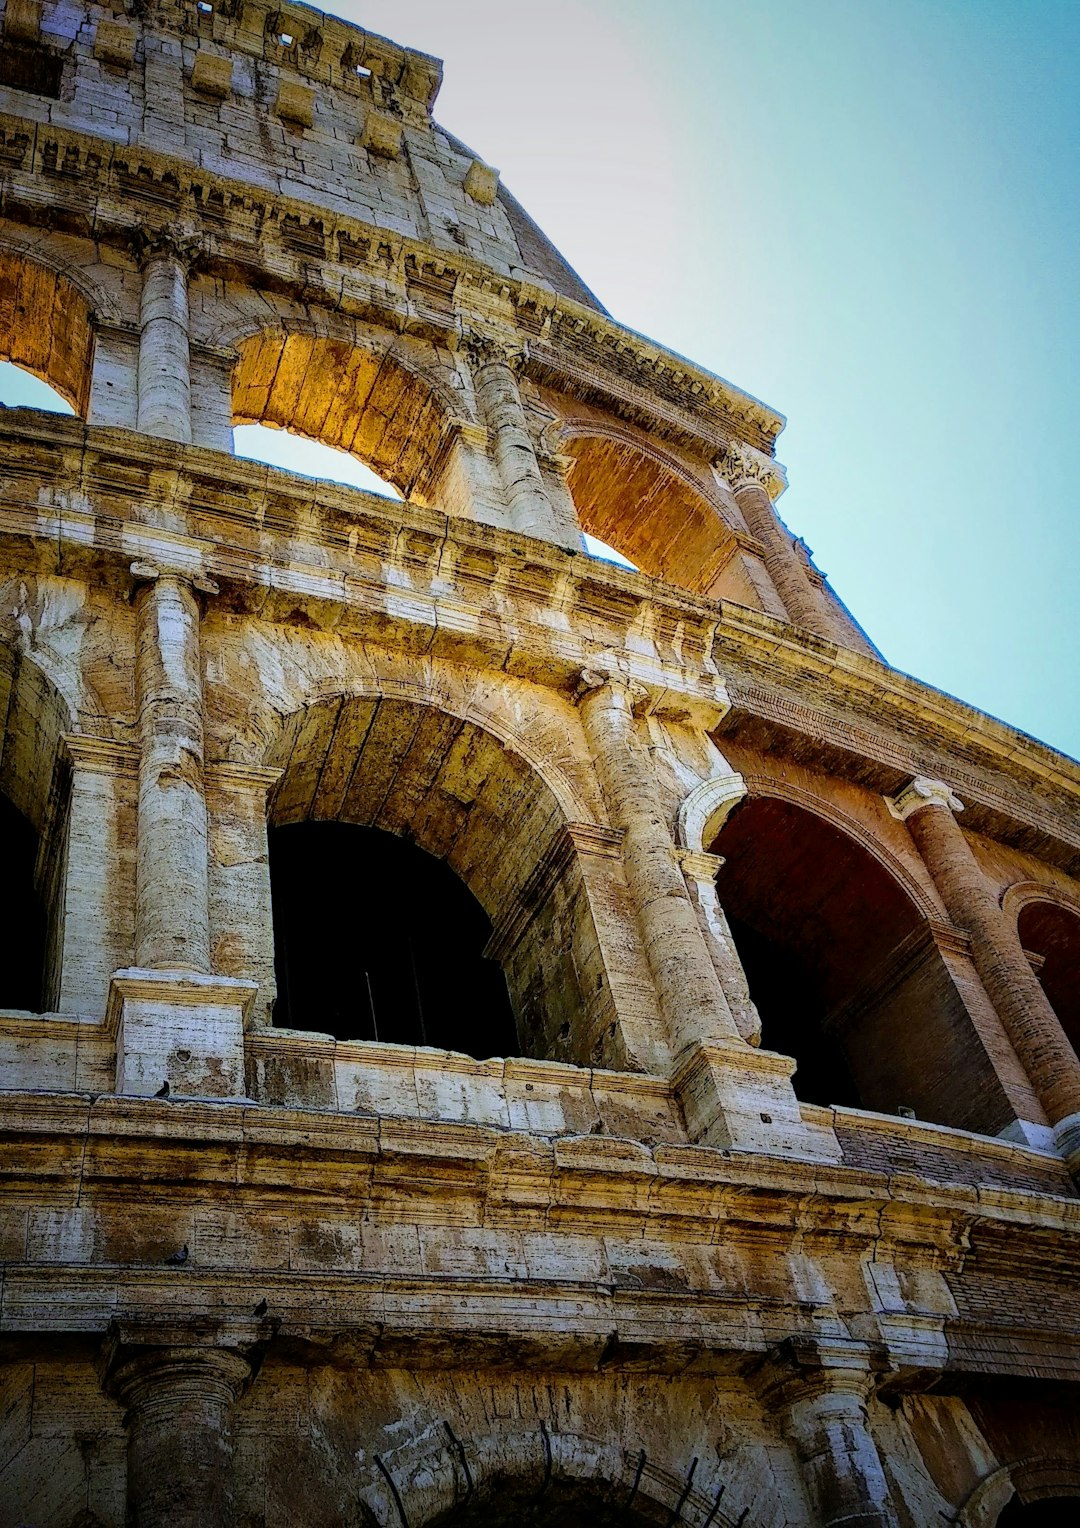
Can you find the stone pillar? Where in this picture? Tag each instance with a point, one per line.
(175, 1023)
(820, 1399)
(688, 991)
(700, 870)
(241, 912)
(172, 922)
(164, 384)
(500, 406)
(928, 808)
(178, 1389)
(748, 477)
(731, 1094)
(97, 925)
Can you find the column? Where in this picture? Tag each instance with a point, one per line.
(731, 1094)
(178, 1389)
(700, 870)
(500, 407)
(747, 477)
(178, 1026)
(241, 911)
(164, 380)
(691, 999)
(172, 921)
(824, 1415)
(97, 924)
(928, 808)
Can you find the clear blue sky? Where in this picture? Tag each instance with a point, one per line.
(864, 213)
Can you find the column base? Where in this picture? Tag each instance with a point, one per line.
(179, 1027)
(736, 1096)
(1025, 1132)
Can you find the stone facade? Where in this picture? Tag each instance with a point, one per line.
(770, 1218)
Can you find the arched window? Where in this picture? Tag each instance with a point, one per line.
(845, 972)
(377, 940)
(313, 458)
(45, 328)
(1051, 1512)
(20, 388)
(22, 913)
(362, 401)
(1051, 932)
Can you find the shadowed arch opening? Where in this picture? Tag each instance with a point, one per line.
(505, 1503)
(845, 971)
(34, 790)
(1051, 1512)
(346, 396)
(1051, 932)
(458, 805)
(46, 327)
(653, 515)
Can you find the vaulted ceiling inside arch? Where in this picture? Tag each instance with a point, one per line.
(444, 783)
(345, 396)
(648, 512)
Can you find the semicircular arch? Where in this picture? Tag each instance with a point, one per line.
(47, 321)
(339, 386)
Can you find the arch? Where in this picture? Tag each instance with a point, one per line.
(542, 1477)
(343, 389)
(645, 502)
(459, 790)
(1048, 925)
(843, 964)
(46, 325)
(33, 785)
(705, 810)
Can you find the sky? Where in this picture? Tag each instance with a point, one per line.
(867, 215)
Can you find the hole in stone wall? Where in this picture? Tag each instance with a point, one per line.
(296, 453)
(1053, 932)
(375, 939)
(845, 973)
(32, 68)
(21, 912)
(21, 389)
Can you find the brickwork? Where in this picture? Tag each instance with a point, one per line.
(644, 1269)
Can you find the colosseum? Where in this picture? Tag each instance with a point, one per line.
(491, 1035)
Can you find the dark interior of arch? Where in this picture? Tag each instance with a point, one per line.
(22, 912)
(515, 1503)
(845, 976)
(375, 939)
(1052, 1512)
(1054, 933)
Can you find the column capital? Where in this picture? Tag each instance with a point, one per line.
(592, 679)
(486, 350)
(143, 573)
(101, 756)
(142, 1359)
(922, 792)
(183, 243)
(742, 467)
(699, 865)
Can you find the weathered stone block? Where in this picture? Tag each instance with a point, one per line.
(381, 135)
(211, 73)
(482, 183)
(114, 43)
(295, 103)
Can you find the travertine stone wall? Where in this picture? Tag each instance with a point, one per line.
(636, 1273)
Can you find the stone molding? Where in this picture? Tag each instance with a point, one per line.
(920, 793)
(185, 989)
(102, 756)
(704, 811)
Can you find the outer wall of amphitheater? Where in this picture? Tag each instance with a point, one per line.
(682, 1125)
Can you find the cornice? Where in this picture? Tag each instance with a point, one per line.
(115, 192)
(771, 670)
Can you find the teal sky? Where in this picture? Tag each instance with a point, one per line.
(865, 213)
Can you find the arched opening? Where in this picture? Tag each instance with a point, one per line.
(20, 389)
(22, 914)
(652, 515)
(1052, 932)
(33, 797)
(1051, 1512)
(461, 806)
(359, 401)
(391, 948)
(45, 328)
(561, 1504)
(845, 973)
(311, 458)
